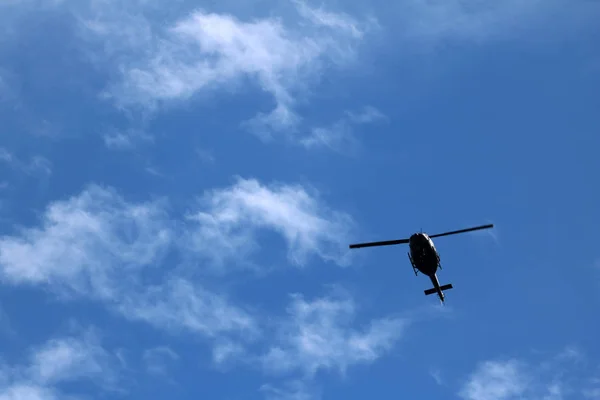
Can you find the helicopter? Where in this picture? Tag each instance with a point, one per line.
(423, 256)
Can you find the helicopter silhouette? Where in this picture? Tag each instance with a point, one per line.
(423, 256)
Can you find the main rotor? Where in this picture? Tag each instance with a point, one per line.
(404, 241)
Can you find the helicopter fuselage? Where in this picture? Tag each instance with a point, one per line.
(423, 255)
(424, 258)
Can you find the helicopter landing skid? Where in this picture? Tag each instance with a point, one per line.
(416, 271)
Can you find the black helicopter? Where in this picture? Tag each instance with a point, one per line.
(423, 256)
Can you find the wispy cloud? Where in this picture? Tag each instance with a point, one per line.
(367, 115)
(125, 140)
(205, 156)
(494, 380)
(29, 391)
(475, 20)
(5, 89)
(84, 242)
(181, 305)
(6, 325)
(206, 51)
(6, 156)
(56, 362)
(319, 334)
(322, 335)
(37, 165)
(70, 358)
(229, 219)
(424, 25)
(225, 351)
(563, 375)
(436, 375)
(197, 51)
(592, 391)
(293, 390)
(100, 246)
(158, 359)
(340, 136)
(338, 21)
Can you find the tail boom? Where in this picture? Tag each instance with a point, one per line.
(437, 288)
(434, 290)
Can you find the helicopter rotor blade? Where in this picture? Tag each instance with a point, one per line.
(373, 244)
(476, 228)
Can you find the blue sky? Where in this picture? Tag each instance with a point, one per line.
(181, 180)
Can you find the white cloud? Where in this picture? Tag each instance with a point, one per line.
(84, 242)
(3, 88)
(319, 335)
(230, 217)
(37, 164)
(367, 115)
(58, 361)
(472, 20)
(436, 375)
(127, 140)
(206, 156)
(338, 21)
(157, 359)
(227, 350)
(98, 245)
(478, 21)
(495, 380)
(68, 359)
(593, 389)
(179, 304)
(322, 334)
(6, 156)
(340, 136)
(207, 51)
(6, 327)
(27, 391)
(564, 375)
(294, 390)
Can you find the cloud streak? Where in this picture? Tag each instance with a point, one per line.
(98, 245)
(318, 334)
(477, 21)
(294, 390)
(229, 219)
(58, 361)
(339, 136)
(85, 242)
(37, 165)
(157, 360)
(495, 380)
(206, 51)
(563, 375)
(189, 52)
(180, 304)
